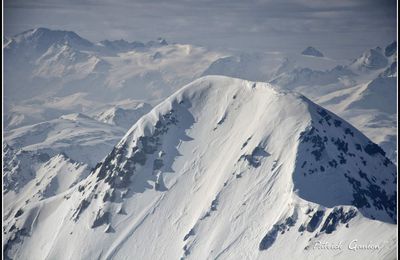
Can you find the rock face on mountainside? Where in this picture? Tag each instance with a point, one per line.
(311, 51)
(372, 59)
(224, 168)
(29, 177)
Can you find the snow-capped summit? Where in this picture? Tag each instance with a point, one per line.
(40, 39)
(223, 168)
(311, 51)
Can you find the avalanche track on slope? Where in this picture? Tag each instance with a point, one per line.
(222, 169)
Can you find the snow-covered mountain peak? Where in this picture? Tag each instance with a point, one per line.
(371, 60)
(219, 161)
(41, 39)
(321, 150)
(224, 168)
(311, 51)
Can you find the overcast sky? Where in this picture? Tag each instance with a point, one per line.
(339, 28)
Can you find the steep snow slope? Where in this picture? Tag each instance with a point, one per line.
(226, 169)
(80, 137)
(31, 176)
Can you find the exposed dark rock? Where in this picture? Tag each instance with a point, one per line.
(337, 123)
(82, 206)
(372, 192)
(191, 233)
(335, 217)
(254, 159)
(245, 143)
(272, 234)
(269, 238)
(316, 141)
(222, 120)
(214, 204)
(348, 131)
(109, 229)
(391, 49)
(311, 51)
(333, 163)
(157, 164)
(315, 221)
(109, 195)
(18, 213)
(101, 218)
(302, 228)
(373, 149)
(341, 145)
(15, 239)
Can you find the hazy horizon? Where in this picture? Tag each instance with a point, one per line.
(340, 29)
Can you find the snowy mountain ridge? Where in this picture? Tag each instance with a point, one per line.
(224, 168)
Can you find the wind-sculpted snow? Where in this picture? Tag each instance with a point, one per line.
(224, 168)
(127, 171)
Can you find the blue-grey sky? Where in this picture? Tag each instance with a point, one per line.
(339, 27)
